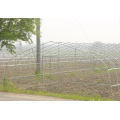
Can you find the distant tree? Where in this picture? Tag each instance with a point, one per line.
(97, 44)
(17, 29)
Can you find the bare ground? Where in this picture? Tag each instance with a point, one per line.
(80, 80)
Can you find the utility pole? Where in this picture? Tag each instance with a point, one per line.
(38, 48)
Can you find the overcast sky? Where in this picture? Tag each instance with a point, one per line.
(106, 30)
(99, 19)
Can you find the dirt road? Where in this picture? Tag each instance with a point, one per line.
(4, 96)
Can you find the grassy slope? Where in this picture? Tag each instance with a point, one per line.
(13, 89)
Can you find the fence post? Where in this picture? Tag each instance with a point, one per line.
(42, 75)
(75, 73)
(38, 48)
(58, 69)
(93, 75)
(50, 73)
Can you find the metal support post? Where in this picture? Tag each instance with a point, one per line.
(58, 70)
(38, 49)
(75, 73)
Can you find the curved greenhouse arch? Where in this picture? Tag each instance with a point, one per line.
(61, 65)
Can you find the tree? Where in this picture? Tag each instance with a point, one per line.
(17, 29)
(97, 44)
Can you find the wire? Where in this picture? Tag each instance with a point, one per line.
(83, 31)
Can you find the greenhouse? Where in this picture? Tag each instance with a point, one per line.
(77, 68)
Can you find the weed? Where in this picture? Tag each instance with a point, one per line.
(51, 77)
(98, 70)
(5, 84)
(91, 72)
(118, 71)
(80, 92)
(11, 84)
(36, 72)
(101, 66)
(38, 81)
(116, 93)
(72, 74)
(98, 96)
(12, 73)
(82, 78)
(95, 82)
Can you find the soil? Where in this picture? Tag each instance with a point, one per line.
(82, 78)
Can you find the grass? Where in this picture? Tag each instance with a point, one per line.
(100, 69)
(118, 71)
(95, 82)
(75, 74)
(12, 88)
(37, 75)
(91, 72)
(36, 72)
(51, 77)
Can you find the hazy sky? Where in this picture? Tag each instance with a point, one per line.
(98, 18)
(106, 30)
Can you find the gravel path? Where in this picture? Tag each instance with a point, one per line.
(4, 96)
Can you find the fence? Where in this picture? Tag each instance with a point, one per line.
(77, 68)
